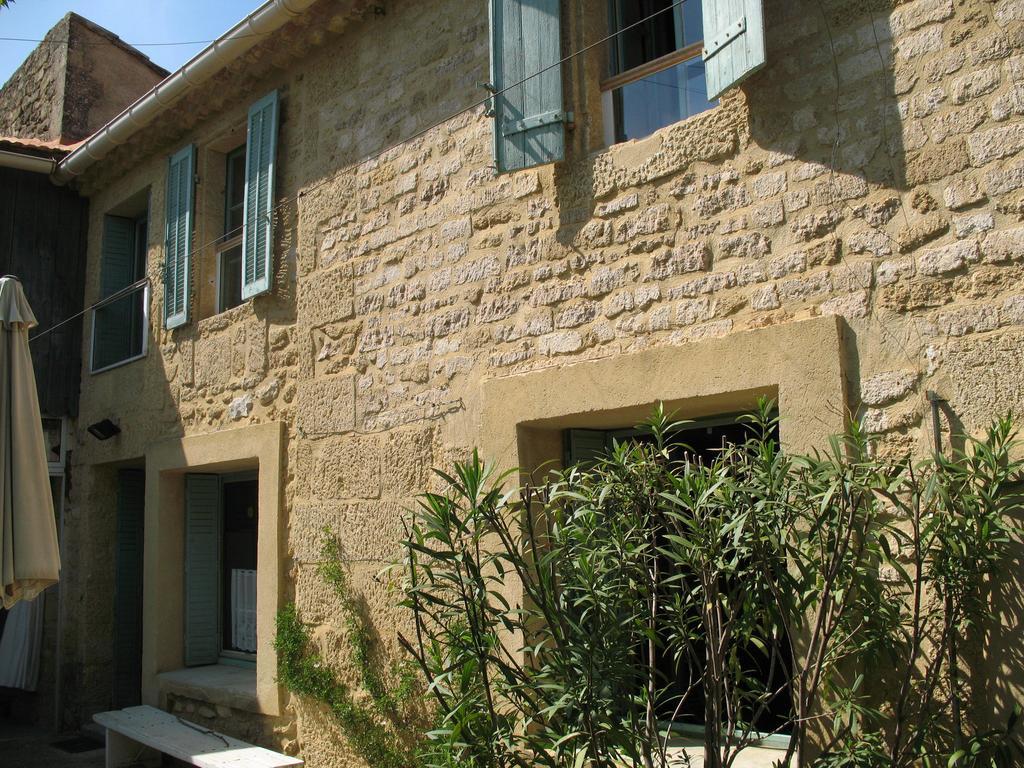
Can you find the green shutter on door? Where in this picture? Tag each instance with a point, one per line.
(733, 42)
(529, 121)
(585, 446)
(178, 240)
(202, 569)
(258, 230)
(113, 332)
(131, 495)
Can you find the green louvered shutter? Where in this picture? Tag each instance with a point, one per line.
(258, 230)
(113, 332)
(202, 569)
(178, 242)
(585, 446)
(733, 42)
(131, 496)
(529, 121)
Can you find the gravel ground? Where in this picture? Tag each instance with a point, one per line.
(31, 747)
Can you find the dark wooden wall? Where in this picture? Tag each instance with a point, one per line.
(43, 242)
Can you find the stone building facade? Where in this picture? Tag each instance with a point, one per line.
(842, 232)
(77, 79)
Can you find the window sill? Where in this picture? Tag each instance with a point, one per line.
(118, 364)
(223, 684)
(220, 320)
(751, 757)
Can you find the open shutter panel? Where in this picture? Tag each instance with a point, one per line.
(202, 569)
(733, 42)
(258, 232)
(131, 492)
(178, 242)
(529, 121)
(585, 446)
(112, 339)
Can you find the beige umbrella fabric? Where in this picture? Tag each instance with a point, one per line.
(29, 558)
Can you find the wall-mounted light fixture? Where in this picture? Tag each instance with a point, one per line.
(104, 430)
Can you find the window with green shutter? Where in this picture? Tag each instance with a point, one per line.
(734, 45)
(178, 240)
(120, 321)
(202, 569)
(221, 532)
(529, 118)
(258, 231)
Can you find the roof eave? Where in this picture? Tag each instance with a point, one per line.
(246, 34)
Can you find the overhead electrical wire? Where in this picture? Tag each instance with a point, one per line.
(492, 93)
(67, 41)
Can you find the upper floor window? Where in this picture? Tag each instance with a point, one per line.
(656, 71)
(229, 253)
(120, 323)
(244, 251)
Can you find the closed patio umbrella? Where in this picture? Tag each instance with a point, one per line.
(29, 558)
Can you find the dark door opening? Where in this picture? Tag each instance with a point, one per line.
(131, 504)
(238, 565)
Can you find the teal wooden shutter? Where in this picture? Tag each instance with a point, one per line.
(585, 446)
(529, 121)
(131, 496)
(178, 242)
(258, 230)
(202, 569)
(113, 332)
(733, 42)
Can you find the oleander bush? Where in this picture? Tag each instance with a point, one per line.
(841, 598)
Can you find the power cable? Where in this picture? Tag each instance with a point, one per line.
(390, 147)
(67, 41)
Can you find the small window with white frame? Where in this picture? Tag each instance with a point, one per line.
(656, 73)
(120, 319)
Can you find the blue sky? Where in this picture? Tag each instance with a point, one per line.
(134, 21)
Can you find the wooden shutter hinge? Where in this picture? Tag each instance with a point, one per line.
(729, 33)
(536, 121)
(489, 110)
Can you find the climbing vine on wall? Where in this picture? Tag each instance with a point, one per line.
(378, 719)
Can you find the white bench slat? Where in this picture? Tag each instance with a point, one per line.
(165, 733)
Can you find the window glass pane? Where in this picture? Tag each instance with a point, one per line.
(230, 278)
(671, 28)
(234, 197)
(53, 434)
(693, 22)
(660, 99)
(119, 329)
(648, 40)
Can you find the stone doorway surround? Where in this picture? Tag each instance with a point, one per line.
(259, 447)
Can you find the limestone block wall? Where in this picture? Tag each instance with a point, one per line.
(76, 79)
(872, 170)
(30, 100)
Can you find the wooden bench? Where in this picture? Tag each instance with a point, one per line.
(138, 735)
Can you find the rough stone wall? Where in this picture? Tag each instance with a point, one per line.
(104, 76)
(31, 99)
(893, 198)
(76, 80)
